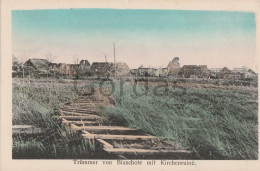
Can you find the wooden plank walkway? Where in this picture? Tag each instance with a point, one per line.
(82, 116)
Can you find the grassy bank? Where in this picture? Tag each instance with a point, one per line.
(213, 123)
(37, 104)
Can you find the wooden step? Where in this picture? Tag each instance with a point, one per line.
(76, 113)
(85, 104)
(27, 129)
(104, 128)
(85, 100)
(77, 108)
(110, 130)
(142, 151)
(79, 122)
(119, 137)
(86, 116)
(116, 132)
(81, 116)
(86, 97)
(105, 144)
(146, 145)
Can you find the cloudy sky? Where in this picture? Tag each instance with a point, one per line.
(148, 37)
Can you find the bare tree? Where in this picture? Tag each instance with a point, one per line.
(77, 67)
(22, 59)
(50, 57)
(105, 58)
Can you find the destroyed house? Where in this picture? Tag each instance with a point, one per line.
(194, 71)
(84, 68)
(71, 69)
(84, 65)
(243, 73)
(215, 70)
(173, 67)
(107, 69)
(225, 73)
(122, 70)
(38, 64)
(237, 73)
(161, 72)
(102, 69)
(143, 72)
(37, 68)
(65, 69)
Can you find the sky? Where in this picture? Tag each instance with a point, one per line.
(142, 37)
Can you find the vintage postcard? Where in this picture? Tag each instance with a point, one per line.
(109, 87)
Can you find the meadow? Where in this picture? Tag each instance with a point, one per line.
(214, 123)
(37, 104)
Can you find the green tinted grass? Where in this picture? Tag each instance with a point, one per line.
(213, 123)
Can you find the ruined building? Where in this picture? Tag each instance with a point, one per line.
(64, 69)
(107, 69)
(143, 71)
(237, 73)
(194, 71)
(225, 73)
(43, 68)
(37, 68)
(174, 67)
(122, 70)
(161, 72)
(71, 70)
(102, 69)
(38, 64)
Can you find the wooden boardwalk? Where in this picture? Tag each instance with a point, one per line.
(82, 116)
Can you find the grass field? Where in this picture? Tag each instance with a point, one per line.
(38, 105)
(213, 123)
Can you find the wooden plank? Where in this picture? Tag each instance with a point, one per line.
(81, 104)
(105, 144)
(73, 125)
(83, 108)
(77, 110)
(86, 116)
(86, 97)
(85, 103)
(76, 113)
(61, 112)
(104, 128)
(121, 137)
(27, 129)
(79, 122)
(64, 121)
(78, 107)
(143, 151)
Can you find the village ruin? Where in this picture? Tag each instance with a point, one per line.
(41, 68)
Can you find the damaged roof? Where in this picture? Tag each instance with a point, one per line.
(38, 63)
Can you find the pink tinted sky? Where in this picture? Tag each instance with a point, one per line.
(148, 37)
